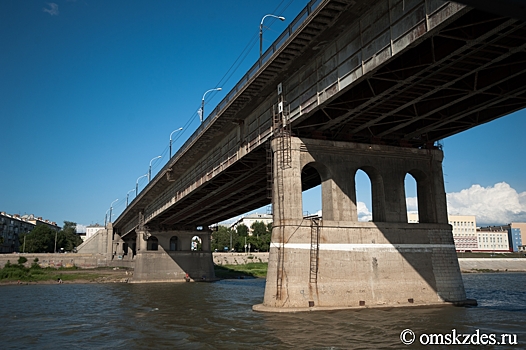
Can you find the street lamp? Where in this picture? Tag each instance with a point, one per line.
(137, 184)
(150, 168)
(127, 194)
(106, 218)
(203, 103)
(111, 207)
(171, 140)
(261, 31)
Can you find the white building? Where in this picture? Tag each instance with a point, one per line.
(250, 219)
(464, 230)
(493, 239)
(91, 230)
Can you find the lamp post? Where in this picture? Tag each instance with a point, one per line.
(202, 116)
(137, 184)
(261, 31)
(111, 207)
(127, 194)
(150, 168)
(171, 140)
(106, 217)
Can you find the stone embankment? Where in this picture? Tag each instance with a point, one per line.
(492, 264)
(239, 258)
(100, 260)
(82, 260)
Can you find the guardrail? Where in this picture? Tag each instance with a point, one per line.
(278, 43)
(237, 89)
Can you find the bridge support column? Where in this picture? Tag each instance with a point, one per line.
(339, 262)
(167, 256)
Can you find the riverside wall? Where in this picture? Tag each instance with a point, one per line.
(81, 260)
(239, 258)
(493, 264)
(100, 260)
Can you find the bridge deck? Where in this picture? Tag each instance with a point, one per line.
(389, 74)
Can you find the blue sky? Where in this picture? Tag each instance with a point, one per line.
(90, 91)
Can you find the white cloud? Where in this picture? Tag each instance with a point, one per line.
(363, 212)
(492, 205)
(53, 10)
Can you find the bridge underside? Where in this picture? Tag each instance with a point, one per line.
(470, 72)
(465, 71)
(377, 102)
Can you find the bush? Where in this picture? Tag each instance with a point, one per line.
(22, 260)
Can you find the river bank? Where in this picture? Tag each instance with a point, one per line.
(67, 276)
(227, 266)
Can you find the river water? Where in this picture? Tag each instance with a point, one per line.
(219, 316)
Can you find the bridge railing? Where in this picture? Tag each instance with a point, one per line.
(233, 94)
(278, 43)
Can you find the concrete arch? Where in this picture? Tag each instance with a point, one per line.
(311, 177)
(174, 242)
(377, 192)
(426, 199)
(152, 243)
(196, 243)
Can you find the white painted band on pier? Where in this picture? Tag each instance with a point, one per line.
(353, 247)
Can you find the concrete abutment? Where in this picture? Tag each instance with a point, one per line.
(339, 262)
(173, 258)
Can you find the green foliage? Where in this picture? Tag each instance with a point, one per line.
(19, 272)
(22, 260)
(242, 230)
(241, 271)
(258, 237)
(221, 238)
(42, 239)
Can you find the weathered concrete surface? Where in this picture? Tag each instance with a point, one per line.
(172, 259)
(505, 264)
(342, 263)
(96, 244)
(239, 258)
(85, 261)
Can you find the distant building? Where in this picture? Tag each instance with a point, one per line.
(39, 221)
(493, 239)
(91, 230)
(250, 219)
(464, 230)
(11, 226)
(515, 236)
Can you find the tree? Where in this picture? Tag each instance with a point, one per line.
(221, 238)
(68, 238)
(242, 233)
(42, 238)
(260, 236)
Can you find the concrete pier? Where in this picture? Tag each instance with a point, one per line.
(168, 256)
(339, 262)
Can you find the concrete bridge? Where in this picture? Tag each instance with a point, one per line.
(349, 85)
